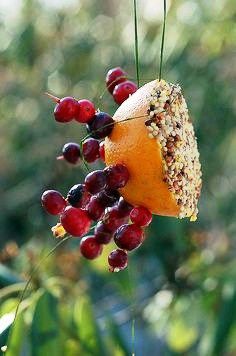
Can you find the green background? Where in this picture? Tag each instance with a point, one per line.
(180, 285)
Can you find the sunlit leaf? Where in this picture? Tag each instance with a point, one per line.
(181, 336)
(87, 329)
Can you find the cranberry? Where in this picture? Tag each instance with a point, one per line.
(86, 111)
(102, 150)
(95, 181)
(141, 216)
(53, 202)
(118, 260)
(117, 176)
(108, 197)
(78, 196)
(66, 110)
(101, 125)
(91, 150)
(124, 207)
(101, 234)
(129, 237)
(95, 209)
(75, 221)
(123, 90)
(113, 220)
(71, 152)
(90, 248)
(115, 76)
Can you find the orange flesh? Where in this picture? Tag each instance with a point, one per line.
(130, 145)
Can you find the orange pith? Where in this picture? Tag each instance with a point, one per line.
(129, 144)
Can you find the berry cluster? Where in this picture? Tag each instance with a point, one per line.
(119, 86)
(97, 198)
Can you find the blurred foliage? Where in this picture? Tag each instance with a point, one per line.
(180, 285)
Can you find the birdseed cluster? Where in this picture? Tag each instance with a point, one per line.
(169, 123)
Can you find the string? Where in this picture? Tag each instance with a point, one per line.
(136, 41)
(162, 41)
(111, 124)
(121, 122)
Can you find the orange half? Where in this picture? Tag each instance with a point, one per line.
(131, 144)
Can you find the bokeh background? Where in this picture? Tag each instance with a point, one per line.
(180, 285)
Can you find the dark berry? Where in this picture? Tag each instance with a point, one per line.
(91, 150)
(66, 110)
(129, 237)
(90, 248)
(118, 260)
(95, 209)
(101, 125)
(113, 220)
(108, 197)
(102, 150)
(75, 221)
(101, 233)
(124, 207)
(95, 181)
(115, 76)
(117, 176)
(53, 202)
(71, 152)
(123, 90)
(141, 216)
(86, 111)
(78, 196)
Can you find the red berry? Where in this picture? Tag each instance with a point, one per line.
(95, 181)
(115, 76)
(101, 125)
(102, 150)
(86, 111)
(117, 176)
(75, 221)
(91, 150)
(71, 152)
(78, 196)
(53, 202)
(112, 219)
(108, 197)
(141, 216)
(124, 207)
(95, 209)
(66, 110)
(90, 248)
(118, 260)
(129, 237)
(123, 90)
(101, 234)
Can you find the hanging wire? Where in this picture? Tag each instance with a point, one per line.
(136, 41)
(162, 41)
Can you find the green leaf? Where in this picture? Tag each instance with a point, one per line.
(8, 306)
(226, 320)
(116, 339)
(7, 310)
(17, 337)
(45, 338)
(88, 332)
